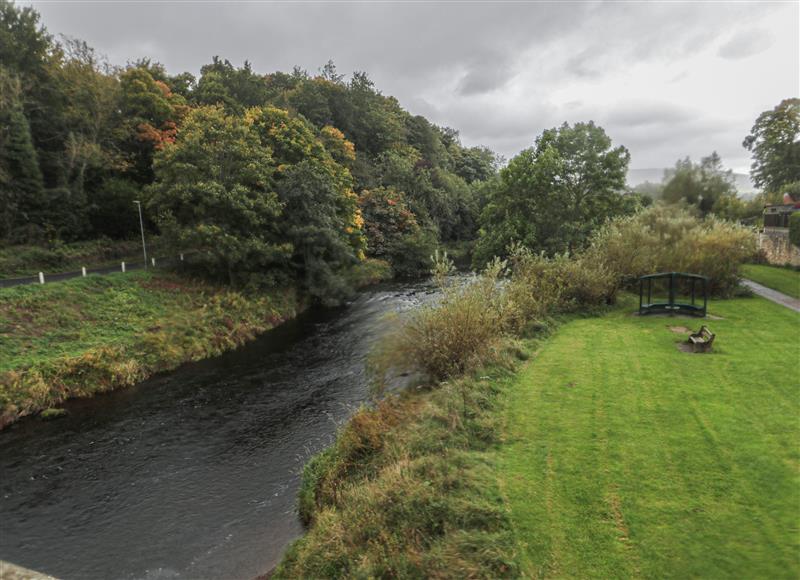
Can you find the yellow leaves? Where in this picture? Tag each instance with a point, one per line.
(358, 218)
(336, 144)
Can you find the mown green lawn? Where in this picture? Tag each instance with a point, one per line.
(780, 279)
(627, 458)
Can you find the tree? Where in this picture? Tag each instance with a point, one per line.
(91, 115)
(214, 193)
(151, 113)
(774, 142)
(551, 196)
(321, 218)
(393, 233)
(706, 186)
(21, 189)
(28, 53)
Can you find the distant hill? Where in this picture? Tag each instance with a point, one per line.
(742, 181)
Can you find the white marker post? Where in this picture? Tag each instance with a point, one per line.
(123, 266)
(153, 261)
(83, 271)
(41, 277)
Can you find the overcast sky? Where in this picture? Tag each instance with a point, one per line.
(665, 79)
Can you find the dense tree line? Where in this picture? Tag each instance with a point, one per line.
(294, 177)
(273, 170)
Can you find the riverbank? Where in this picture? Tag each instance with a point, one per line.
(91, 335)
(610, 452)
(408, 488)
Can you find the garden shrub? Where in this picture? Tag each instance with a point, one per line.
(667, 238)
(541, 287)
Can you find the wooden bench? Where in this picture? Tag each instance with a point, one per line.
(702, 340)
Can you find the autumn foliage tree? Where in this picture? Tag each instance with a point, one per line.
(393, 233)
(214, 193)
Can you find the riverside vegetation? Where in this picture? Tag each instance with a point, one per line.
(90, 335)
(423, 483)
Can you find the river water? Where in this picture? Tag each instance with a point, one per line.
(192, 474)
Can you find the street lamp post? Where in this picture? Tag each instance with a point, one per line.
(141, 227)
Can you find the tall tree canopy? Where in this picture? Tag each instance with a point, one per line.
(214, 193)
(774, 141)
(551, 196)
(81, 140)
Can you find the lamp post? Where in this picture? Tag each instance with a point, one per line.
(141, 227)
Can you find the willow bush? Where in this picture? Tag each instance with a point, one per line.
(461, 331)
(671, 239)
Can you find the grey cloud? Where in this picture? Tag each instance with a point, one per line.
(649, 114)
(744, 44)
(485, 77)
(584, 64)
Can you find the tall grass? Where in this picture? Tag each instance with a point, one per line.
(463, 330)
(408, 490)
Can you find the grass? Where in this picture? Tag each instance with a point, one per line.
(88, 335)
(624, 457)
(783, 280)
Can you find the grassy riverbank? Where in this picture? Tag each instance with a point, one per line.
(409, 489)
(84, 336)
(784, 280)
(610, 453)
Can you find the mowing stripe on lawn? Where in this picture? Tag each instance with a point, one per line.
(625, 457)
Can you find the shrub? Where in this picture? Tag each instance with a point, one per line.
(461, 331)
(667, 238)
(541, 287)
(794, 228)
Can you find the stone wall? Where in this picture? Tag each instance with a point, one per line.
(777, 247)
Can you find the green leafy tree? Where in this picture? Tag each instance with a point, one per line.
(21, 189)
(235, 88)
(552, 196)
(214, 193)
(91, 150)
(28, 53)
(321, 218)
(706, 186)
(774, 142)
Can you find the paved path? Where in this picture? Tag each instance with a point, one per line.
(774, 295)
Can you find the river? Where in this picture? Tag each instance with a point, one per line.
(194, 473)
